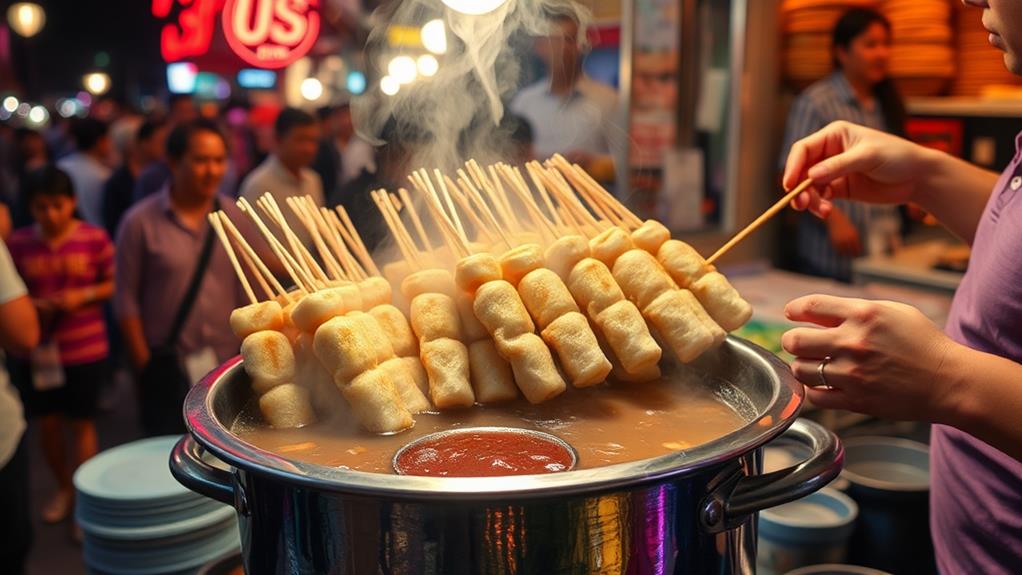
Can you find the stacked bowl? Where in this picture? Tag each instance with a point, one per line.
(136, 518)
(922, 53)
(808, 25)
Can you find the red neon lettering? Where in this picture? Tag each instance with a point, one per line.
(271, 33)
(191, 34)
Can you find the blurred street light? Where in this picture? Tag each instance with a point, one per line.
(311, 89)
(389, 85)
(97, 83)
(402, 69)
(428, 65)
(434, 36)
(26, 18)
(10, 104)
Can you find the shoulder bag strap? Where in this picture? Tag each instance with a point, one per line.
(193, 287)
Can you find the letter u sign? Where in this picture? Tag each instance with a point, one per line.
(271, 33)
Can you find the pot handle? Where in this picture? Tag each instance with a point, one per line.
(188, 467)
(732, 503)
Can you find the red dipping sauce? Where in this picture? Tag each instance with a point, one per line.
(484, 452)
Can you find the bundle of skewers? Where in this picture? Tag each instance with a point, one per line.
(530, 281)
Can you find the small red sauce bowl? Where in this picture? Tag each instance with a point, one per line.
(485, 452)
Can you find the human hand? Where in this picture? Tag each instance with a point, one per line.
(71, 299)
(844, 236)
(887, 358)
(846, 160)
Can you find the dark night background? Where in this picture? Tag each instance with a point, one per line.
(53, 62)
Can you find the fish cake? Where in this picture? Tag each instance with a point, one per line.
(641, 278)
(259, 316)
(650, 236)
(545, 296)
(500, 309)
(344, 348)
(517, 262)
(287, 406)
(471, 329)
(722, 301)
(395, 325)
(435, 316)
(609, 244)
(593, 286)
(628, 336)
(475, 270)
(573, 340)
(374, 291)
(396, 370)
(492, 378)
(428, 281)
(533, 366)
(682, 262)
(414, 367)
(269, 360)
(447, 367)
(377, 337)
(673, 316)
(562, 255)
(316, 308)
(376, 404)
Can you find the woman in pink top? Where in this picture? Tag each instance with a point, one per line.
(68, 267)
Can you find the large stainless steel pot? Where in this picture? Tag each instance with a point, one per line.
(687, 512)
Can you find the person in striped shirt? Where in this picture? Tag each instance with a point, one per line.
(858, 91)
(68, 267)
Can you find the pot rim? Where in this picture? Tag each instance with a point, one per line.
(779, 413)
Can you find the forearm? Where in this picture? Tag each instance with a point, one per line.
(102, 291)
(985, 398)
(954, 191)
(134, 338)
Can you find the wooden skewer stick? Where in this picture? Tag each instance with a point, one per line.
(311, 265)
(627, 216)
(218, 227)
(582, 190)
(406, 236)
(501, 195)
(520, 188)
(367, 262)
(543, 193)
(484, 184)
(258, 275)
(309, 221)
(330, 237)
(457, 244)
(264, 204)
(304, 282)
(416, 221)
(407, 251)
(567, 196)
(777, 207)
(447, 199)
(473, 195)
(252, 258)
(571, 210)
(360, 254)
(449, 233)
(470, 211)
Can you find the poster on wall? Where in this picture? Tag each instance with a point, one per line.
(654, 98)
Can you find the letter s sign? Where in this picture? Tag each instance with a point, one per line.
(271, 33)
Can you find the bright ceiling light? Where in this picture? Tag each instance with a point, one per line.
(434, 36)
(38, 115)
(97, 83)
(311, 89)
(474, 7)
(403, 69)
(26, 18)
(389, 86)
(427, 65)
(11, 104)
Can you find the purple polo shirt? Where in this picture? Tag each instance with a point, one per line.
(976, 490)
(156, 256)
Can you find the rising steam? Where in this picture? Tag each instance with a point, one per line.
(455, 114)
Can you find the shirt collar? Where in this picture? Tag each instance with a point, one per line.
(579, 89)
(843, 88)
(278, 167)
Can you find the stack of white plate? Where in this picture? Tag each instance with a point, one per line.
(138, 519)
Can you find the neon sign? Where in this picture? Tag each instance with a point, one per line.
(271, 33)
(263, 33)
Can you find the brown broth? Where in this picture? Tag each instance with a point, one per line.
(606, 424)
